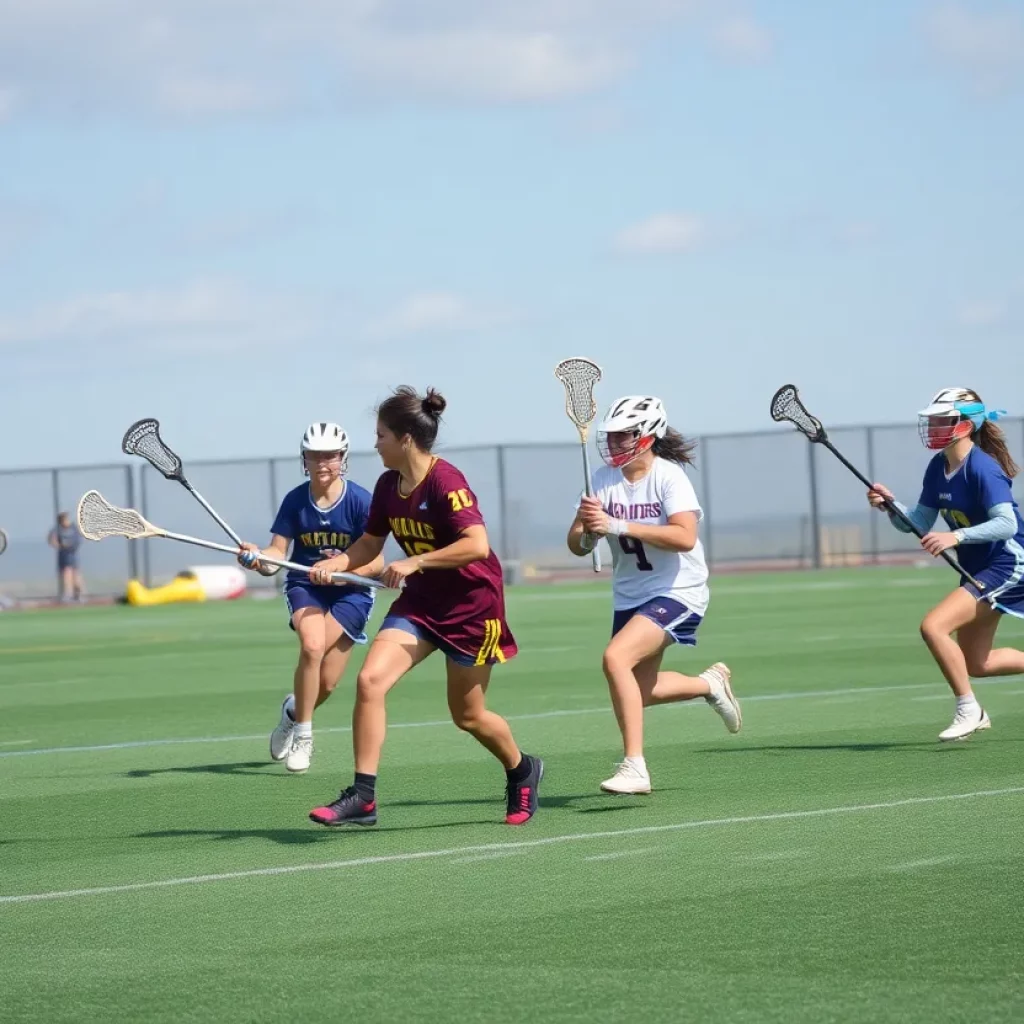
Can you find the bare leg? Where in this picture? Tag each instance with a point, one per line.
(467, 686)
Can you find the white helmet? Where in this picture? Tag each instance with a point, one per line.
(324, 437)
(643, 416)
(952, 413)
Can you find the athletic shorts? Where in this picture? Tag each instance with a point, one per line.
(67, 559)
(429, 636)
(1000, 583)
(672, 616)
(350, 609)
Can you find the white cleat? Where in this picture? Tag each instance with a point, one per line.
(966, 722)
(300, 754)
(281, 737)
(628, 779)
(721, 697)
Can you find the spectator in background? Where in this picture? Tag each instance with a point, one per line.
(66, 540)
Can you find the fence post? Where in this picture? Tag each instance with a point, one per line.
(705, 497)
(503, 502)
(812, 468)
(869, 441)
(143, 503)
(273, 488)
(133, 554)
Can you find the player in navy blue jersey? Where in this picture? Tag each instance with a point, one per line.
(968, 483)
(319, 519)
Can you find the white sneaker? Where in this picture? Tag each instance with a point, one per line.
(628, 778)
(300, 754)
(281, 737)
(721, 697)
(965, 722)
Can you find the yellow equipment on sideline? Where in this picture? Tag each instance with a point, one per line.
(196, 583)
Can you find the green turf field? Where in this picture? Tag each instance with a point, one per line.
(831, 863)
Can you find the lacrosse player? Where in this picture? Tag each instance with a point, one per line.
(645, 505)
(452, 601)
(320, 518)
(968, 483)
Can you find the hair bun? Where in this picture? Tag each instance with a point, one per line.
(434, 403)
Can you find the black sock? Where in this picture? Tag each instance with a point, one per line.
(365, 786)
(521, 772)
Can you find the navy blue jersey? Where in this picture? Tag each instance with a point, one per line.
(964, 500)
(319, 533)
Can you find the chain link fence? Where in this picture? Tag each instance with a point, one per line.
(772, 500)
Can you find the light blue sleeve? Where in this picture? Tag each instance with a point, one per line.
(922, 516)
(1001, 525)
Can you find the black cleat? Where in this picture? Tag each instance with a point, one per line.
(521, 797)
(348, 809)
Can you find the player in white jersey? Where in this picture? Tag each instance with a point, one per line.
(646, 506)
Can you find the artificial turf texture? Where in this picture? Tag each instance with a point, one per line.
(827, 864)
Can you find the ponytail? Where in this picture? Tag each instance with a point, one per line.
(991, 440)
(675, 448)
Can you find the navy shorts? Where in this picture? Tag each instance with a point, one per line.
(428, 636)
(350, 609)
(67, 559)
(1004, 585)
(672, 616)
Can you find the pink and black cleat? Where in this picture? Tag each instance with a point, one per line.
(521, 797)
(348, 809)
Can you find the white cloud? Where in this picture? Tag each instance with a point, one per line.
(200, 317)
(981, 314)
(741, 38)
(436, 313)
(985, 45)
(215, 57)
(662, 233)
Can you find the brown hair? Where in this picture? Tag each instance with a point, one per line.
(408, 413)
(991, 440)
(674, 447)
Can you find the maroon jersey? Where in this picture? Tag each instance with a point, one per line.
(464, 607)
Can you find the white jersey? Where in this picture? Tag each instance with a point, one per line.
(643, 572)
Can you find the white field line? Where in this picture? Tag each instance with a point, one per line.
(861, 691)
(464, 851)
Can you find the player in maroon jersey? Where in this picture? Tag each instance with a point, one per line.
(452, 601)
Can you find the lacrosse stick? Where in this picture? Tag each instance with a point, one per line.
(3, 542)
(98, 519)
(579, 376)
(143, 439)
(787, 407)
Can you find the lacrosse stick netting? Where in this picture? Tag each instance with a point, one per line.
(98, 519)
(786, 406)
(143, 439)
(578, 377)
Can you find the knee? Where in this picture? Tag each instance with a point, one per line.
(313, 649)
(467, 719)
(614, 661)
(371, 684)
(977, 666)
(932, 629)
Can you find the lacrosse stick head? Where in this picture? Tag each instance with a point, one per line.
(787, 408)
(578, 377)
(3, 542)
(143, 439)
(98, 519)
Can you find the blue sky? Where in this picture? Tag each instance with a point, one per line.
(240, 217)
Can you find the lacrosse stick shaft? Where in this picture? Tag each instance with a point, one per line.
(899, 514)
(338, 577)
(209, 508)
(595, 554)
